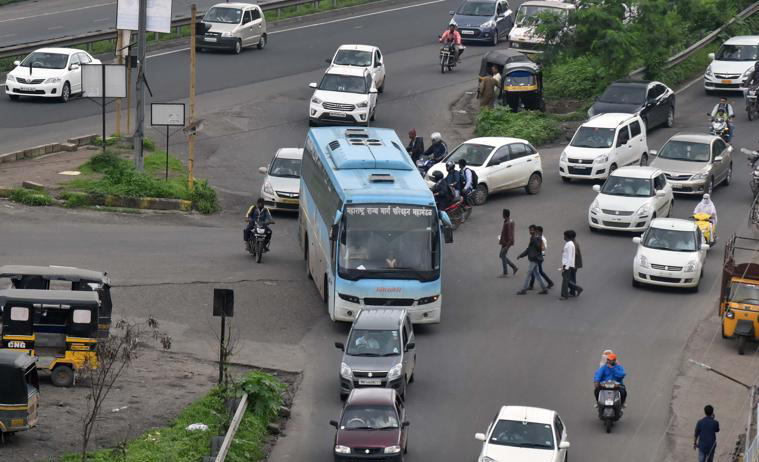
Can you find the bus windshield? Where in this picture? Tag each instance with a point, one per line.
(384, 241)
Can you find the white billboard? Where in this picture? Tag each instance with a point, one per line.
(167, 114)
(158, 20)
(115, 80)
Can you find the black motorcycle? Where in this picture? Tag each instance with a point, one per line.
(752, 108)
(609, 403)
(753, 160)
(448, 57)
(257, 243)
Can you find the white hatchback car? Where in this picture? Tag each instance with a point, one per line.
(500, 163)
(629, 199)
(346, 95)
(732, 64)
(48, 73)
(521, 433)
(281, 187)
(366, 56)
(670, 253)
(602, 144)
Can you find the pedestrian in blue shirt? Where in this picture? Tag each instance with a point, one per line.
(705, 437)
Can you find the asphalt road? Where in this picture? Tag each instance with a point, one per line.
(492, 347)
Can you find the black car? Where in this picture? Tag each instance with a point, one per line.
(654, 100)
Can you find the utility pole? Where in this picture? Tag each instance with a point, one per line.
(117, 103)
(191, 135)
(139, 131)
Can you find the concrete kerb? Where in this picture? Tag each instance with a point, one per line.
(71, 145)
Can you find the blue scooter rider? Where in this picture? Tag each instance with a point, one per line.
(614, 371)
(258, 213)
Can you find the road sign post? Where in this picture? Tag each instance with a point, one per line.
(167, 115)
(223, 306)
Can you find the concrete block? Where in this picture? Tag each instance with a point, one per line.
(32, 185)
(9, 157)
(52, 147)
(69, 147)
(82, 140)
(34, 152)
(5, 192)
(19, 155)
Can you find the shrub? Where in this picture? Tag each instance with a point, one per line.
(533, 126)
(264, 394)
(579, 78)
(148, 144)
(30, 197)
(204, 197)
(75, 199)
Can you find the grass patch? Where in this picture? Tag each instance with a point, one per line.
(175, 444)
(694, 65)
(310, 8)
(30, 197)
(534, 126)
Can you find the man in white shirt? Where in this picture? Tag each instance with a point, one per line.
(568, 267)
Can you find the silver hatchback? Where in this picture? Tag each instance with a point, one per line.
(380, 351)
(695, 163)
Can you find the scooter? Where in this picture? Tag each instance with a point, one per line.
(609, 403)
(706, 225)
(256, 245)
(753, 160)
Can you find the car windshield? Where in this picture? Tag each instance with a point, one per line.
(363, 342)
(529, 15)
(344, 83)
(738, 53)
(670, 239)
(474, 154)
(477, 9)
(685, 150)
(593, 137)
(369, 418)
(286, 168)
(390, 242)
(46, 60)
(522, 434)
(744, 293)
(624, 94)
(353, 58)
(630, 187)
(223, 15)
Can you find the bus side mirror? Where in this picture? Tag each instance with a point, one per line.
(333, 233)
(448, 234)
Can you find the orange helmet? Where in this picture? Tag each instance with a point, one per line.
(612, 357)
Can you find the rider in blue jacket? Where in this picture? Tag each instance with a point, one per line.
(610, 371)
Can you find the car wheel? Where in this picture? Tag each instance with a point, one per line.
(729, 177)
(533, 184)
(494, 42)
(13, 97)
(566, 179)
(343, 396)
(65, 93)
(644, 160)
(636, 284)
(694, 289)
(311, 123)
(238, 47)
(708, 92)
(381, 89)
(480, 194)
(262, 42)
(62, 376)
(671, 117)
(592, 229)
(374, 112)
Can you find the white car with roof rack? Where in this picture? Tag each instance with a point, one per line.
(602, 144)
(345, 95)
(48, 73)
(629, 199)
(365, 56)
(732, 64)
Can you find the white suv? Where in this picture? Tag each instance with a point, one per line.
(346, 95)
(366, 56)
(732, 64)
(603, 144)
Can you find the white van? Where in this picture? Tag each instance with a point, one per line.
(603, 144)
(232, 26)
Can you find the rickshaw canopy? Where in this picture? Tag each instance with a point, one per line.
(502, 59)
(14, 388)
(54, 273)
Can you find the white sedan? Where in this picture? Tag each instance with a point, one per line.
(48, 73)
(521, 433)
(629, 199)
(366, 56)
(500, 163)
(670, 253)
(281, 187)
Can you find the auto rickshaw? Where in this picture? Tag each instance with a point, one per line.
(739, 297)
(57, 326)
(19, 392)
(66, 278)
(521, 79)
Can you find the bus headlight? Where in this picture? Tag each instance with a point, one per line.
(427, 300)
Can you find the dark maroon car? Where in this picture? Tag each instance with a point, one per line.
(372, 427)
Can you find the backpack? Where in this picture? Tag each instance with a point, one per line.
(475, 179)
(578, 256)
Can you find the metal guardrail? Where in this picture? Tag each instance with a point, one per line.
(709, 38)
(22, 49)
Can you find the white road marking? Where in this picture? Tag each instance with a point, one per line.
(101, 19)
(690, 84)
(55, 28)
(308, 26)
(7, 35)
(57, 12)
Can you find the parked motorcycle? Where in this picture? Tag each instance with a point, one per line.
(719, 127)
(609, 403)
(257, 243)
(751, 107)
(753, 160)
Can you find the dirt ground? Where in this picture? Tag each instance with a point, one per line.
(45, 169)
(154, 391)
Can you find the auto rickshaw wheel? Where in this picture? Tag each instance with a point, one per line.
(741, 344)
(62, 376)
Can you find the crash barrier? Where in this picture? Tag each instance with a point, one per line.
(219, 451)
(90, 37)
(752, 444)
(709, 38)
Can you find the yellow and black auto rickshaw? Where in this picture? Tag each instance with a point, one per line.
(58, 326)
(19, 392)
(739, 297)
(521, 79)
(64, 278)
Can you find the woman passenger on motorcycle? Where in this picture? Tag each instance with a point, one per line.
(452, 36)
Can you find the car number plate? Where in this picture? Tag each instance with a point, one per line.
(338, 114)
(727, 81)
(27, 89)
(210, 39)
(369, 382)
(467, 32)
(676, 186)
(290, 201)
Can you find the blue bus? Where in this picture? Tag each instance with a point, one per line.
(368, 226)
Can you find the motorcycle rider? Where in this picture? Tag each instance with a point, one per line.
(453, 177)
(753, 78)
(707, 206)
(452, 36)
(466, 181)
(442, 191)
(415, 146)
(438, 149)
(612, 370)
(260, 214)
(724, 109)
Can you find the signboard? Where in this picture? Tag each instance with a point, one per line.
(223, 303)
(158, 20)
(115, 80)
(167, 114)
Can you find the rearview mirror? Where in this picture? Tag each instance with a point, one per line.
(333, 423)
(705, 247)
(660, 193)
(312, 84)
(653, 152)
(730, 148)
(636, 239)
(719, 159)
(405, 424)
(479, 436)
(453, 12)
(74, 67)
(340, 346)
(16, 63)
(564, 445)
(711, 56)
(262, 170)
(447, 234)
(410, 346)
(597, 188)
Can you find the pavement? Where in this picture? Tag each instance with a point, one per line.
(492, 348)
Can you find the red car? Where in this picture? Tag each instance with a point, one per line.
(372, 427)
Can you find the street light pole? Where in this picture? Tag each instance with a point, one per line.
(139, 131)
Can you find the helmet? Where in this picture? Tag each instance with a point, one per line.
(612, 357)
(436, 137)
(450, 165)
(706, 196)
(437, 175)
